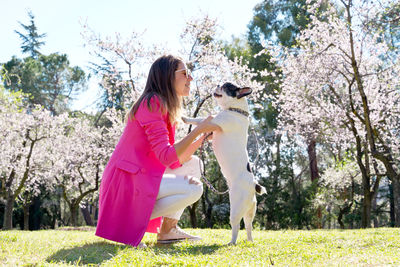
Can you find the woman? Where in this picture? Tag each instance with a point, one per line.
(135, 189)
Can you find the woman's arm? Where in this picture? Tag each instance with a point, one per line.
(153, 121)
(187, 154)
(186, 147)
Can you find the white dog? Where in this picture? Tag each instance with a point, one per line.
(230, 148)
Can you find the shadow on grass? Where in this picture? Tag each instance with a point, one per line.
(99, 252)
(189, 249)
(94, 253)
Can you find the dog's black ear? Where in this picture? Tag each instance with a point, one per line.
(243, 92)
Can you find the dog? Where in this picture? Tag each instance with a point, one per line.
(230, 149)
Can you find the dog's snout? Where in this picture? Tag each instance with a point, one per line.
(217, 95)
(217, 92)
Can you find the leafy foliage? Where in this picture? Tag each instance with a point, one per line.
(49, 80)
(31, 40)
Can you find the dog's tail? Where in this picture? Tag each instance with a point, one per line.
(260, 189)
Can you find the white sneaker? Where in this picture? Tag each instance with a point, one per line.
(176, 234)
(141, 245)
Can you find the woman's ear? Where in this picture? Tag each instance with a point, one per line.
(243, 92)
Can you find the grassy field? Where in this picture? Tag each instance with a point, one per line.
(369, 247)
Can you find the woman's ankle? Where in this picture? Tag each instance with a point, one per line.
(167, 225)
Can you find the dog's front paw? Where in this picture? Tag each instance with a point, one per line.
(232, 243)
(194, 121)
(184, 119)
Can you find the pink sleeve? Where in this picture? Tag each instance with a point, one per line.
(155, 126)
(175, 165)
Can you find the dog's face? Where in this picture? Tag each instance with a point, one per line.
(228, 94)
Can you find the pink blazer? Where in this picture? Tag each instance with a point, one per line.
(131, 179)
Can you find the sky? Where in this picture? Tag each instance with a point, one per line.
(161, 21)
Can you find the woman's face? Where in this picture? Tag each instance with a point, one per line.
(182, 80)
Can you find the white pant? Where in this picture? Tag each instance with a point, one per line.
(175, 192)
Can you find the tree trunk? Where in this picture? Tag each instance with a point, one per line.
(210, 222)
(396, 200)
(312, 157)
(207, 208)
(8, 212)
(53, 222)
(391, 200)
(193, 217)
(366, 214)
(86, 216)
(374, 211)
(96, 214)
(55, 210)
(278, 155)
(36, 214)
(351, 224)
(329, 218)
(74, 215)
(26, 217)
(366, 183)
(340, 217)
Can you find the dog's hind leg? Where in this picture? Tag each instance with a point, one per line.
(237, 211)
(248, 220)
(235, 232)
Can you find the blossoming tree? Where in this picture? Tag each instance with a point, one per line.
(80, 155)
(342, 84)
(26, 137)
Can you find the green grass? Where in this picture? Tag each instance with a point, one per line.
(370, 247)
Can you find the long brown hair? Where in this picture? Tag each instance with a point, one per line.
(160, 83)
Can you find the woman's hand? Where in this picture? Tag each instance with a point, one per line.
(185, 148)
(206, 126)
(207, 136)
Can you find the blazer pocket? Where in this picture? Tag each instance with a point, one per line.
(127, 166)
(127, 179)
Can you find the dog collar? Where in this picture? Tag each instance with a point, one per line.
(238, 110)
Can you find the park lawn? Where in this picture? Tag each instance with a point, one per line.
(379, 246)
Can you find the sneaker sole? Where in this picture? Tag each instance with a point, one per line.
(170, 241)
